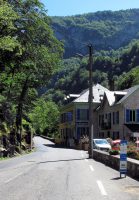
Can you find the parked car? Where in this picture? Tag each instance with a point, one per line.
(101, 144)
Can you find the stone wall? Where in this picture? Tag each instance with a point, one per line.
(113, 162)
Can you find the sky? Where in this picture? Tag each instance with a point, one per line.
(74, 7)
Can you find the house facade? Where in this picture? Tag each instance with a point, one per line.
(74, 121)
(115, 114)
(118, 114)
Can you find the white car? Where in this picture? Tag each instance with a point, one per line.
(101, 144)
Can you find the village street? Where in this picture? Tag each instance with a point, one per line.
(52, 173)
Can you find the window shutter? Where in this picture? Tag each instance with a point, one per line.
(87, 114)
(137, 115)
(78, 114)
(127, 115)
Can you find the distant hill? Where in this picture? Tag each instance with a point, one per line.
(105, 30)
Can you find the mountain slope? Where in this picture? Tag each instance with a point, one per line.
(105, 30)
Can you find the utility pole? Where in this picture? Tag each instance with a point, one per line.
(90, 102)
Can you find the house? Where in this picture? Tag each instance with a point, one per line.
(74, 121)
(115, 114)
(118, 114)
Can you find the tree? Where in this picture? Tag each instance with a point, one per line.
(127, 80)
(33, 50)
(45, 117)
(41, 50)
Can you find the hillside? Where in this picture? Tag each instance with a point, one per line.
(105, 30)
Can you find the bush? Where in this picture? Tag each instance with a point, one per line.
(132, 153)
(113, 152)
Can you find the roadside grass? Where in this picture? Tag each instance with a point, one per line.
(18, 154)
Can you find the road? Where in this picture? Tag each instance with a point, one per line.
(52, 173)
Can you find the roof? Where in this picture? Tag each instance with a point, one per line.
(98, 91)
(129, 92)
(111, 95)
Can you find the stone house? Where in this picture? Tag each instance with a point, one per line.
(118, 114)
(74, 121)
(115, 114)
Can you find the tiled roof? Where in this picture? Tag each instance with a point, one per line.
(98, 90)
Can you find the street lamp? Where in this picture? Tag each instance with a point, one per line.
(90, 101)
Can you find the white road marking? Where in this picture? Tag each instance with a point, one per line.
(101, 187)
(11, 179)
(20, 174)
(91, 167)
(86, 160)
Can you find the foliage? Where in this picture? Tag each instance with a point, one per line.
(44, 117)
(129, 79)
(106, 30)
(72, 76)
(29, 54)
(114, 152)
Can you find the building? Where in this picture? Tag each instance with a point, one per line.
(115, 114)
(74, 121)
(118, 114)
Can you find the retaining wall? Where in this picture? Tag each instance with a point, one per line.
(114, 161)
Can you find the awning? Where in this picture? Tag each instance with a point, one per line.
(133, 127)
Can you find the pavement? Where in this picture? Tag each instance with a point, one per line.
(53, 173)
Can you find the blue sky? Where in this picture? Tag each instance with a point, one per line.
(73, 7)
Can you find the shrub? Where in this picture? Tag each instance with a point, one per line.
(113, 152)
(132, 153)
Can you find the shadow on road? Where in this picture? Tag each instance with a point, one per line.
(117, 178)
(58, 146)
(74, 159)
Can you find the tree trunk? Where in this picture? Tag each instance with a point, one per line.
(20, 112)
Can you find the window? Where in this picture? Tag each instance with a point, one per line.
(113, 118)
(99, 120)
(132, 115)
(127, 115)
(108, 134)
(137, 115)
(82, 114)
(116, 117)
(109, 118)
(69, 116)
(115, 135)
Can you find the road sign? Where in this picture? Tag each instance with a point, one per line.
(123, 157)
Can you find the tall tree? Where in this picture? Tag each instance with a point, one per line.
(40, 55)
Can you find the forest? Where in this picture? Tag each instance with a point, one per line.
(119, 66)
(106, 30)
(29, 55)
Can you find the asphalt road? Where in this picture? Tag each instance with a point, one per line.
(53, 173)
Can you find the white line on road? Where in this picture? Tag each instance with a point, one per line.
(11, 179)
(101, 187)
(91, 167)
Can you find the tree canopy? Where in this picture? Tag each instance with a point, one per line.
(29, 55)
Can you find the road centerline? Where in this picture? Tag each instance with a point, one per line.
(11, 179)
(101, 188)
(91, 167)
